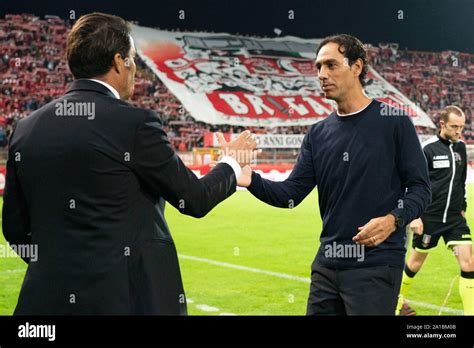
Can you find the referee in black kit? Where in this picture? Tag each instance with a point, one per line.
(445, 216)
(372, 179)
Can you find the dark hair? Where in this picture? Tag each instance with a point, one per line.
(93, 42)
(352, 48)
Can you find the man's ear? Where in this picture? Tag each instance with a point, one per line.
(117, 63)
(357, 67)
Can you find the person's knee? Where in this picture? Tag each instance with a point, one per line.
(465, 258)
(467, 264)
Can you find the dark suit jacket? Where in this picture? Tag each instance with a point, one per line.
(90, 191)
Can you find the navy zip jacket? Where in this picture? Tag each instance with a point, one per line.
(365, 165)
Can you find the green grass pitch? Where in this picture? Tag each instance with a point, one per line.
(243, 231)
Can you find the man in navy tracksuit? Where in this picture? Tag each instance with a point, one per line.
(372, 179)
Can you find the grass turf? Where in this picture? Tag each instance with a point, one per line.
(246, 232)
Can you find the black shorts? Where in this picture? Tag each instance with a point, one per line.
(454, 232)
(359, 291)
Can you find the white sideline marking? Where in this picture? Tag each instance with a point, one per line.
(13, 270)
(207, 308)
(245, 268)
(437, 308)
(302, 279)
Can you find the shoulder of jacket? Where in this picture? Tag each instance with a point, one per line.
(429, 141)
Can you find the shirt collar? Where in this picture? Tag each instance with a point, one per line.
(444, 141)
(355, 112)
(113, 90)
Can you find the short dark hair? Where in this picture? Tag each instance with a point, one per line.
(352, 48)
(450, 109)
(93, 42)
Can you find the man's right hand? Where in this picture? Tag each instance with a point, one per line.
(417, 226)
(242, 148)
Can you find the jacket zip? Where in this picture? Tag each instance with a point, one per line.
(450, 184)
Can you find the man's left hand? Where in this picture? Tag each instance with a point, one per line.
(375, 231)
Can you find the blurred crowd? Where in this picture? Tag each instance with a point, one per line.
(34, 71)
(432, 80)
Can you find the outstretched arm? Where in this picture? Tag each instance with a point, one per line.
(164, 174)
(290, 192)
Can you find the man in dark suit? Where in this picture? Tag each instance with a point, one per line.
(87, 179)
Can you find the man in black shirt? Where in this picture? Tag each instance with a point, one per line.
(445, 216)
(372, 179)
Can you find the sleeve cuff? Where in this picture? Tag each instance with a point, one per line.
(255, 185)
(234, 165)
(403, 214)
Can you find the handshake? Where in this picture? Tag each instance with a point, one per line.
(242, 149)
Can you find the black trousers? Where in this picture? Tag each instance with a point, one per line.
(361, 291)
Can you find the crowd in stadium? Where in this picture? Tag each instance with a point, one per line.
(34, 71)
(432, 80)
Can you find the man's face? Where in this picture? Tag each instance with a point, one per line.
(128, 81)
(452, 129)
(337, 78)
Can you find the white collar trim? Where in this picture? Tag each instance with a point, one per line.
(355, 112)
(113, 90)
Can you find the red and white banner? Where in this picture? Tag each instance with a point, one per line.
(264, 141)
(228, 79)
(274, 141)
